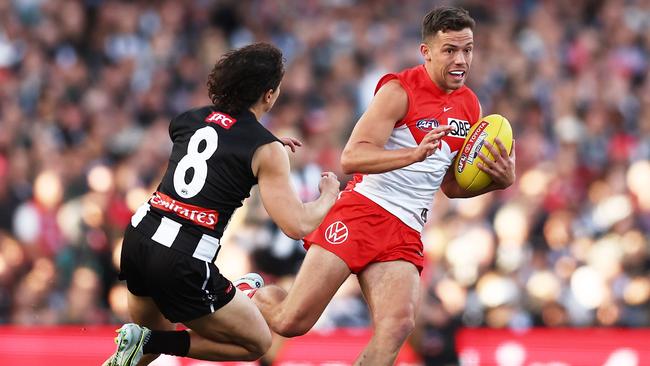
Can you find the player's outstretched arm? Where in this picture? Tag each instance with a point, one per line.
(365, 153)
(501, 170)
(295, 218)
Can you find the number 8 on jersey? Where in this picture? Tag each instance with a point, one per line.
(196, 160)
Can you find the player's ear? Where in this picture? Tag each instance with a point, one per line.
(425, 51)
(268, 96)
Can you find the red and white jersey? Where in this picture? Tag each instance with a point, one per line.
(408, 192)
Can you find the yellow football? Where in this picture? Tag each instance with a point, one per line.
(467, 173)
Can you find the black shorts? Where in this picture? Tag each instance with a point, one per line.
(184, 288)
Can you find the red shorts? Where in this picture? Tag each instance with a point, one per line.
(361, 232)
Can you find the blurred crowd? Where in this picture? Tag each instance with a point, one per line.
(87, 89)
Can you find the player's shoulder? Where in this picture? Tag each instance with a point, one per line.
(391, 89)
(270, 157)
(188, 121)
(399, 78)
(391, 100)
(272, 150)
(195, 113)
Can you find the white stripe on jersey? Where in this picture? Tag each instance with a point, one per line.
(408, 192)
(139, 214)
(207, 248)
(166, 232)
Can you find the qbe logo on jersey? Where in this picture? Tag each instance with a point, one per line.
(460, 127)
(336, 233)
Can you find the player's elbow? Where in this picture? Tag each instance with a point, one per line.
(296, 230)
(447, 192)
(290, 328)
(295, 221)
(295, 234)
(348, 169)
(347, 162)
(450, 190)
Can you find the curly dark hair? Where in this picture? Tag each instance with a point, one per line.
(445, 19)
(242, 76)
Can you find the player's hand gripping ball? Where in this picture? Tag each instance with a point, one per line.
(467, 173)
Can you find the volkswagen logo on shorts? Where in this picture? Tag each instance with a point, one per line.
(427, 125)
(336, 233)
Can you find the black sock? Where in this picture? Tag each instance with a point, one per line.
(175, 343)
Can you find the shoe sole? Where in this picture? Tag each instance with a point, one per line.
(135, 350)
(255, 278)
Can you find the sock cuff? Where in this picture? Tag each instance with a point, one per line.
(175, 343)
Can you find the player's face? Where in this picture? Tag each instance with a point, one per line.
(448, 56)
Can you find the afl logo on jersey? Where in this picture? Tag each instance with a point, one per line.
(336, 233)
(427, 125)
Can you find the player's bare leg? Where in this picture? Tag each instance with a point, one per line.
(294, 313)
(237, 331)
(144, 312)
(392, 292)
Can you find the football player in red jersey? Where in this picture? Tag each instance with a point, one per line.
(400, 151)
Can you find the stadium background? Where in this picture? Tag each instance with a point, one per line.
(87, 89)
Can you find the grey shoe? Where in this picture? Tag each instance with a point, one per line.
(249, 283)
(129, 341)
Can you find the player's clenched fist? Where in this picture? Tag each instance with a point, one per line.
(431, 142)
(329, 183)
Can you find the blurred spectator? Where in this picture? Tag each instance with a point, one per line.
(87, 90)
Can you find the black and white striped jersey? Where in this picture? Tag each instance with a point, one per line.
(208, 177)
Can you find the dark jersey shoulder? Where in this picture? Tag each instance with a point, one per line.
(210, 166)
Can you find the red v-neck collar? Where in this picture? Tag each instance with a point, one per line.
(437, 91)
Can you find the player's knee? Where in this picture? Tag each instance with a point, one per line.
(254, 354)
(259, 346)
(263, 344)
(405, 327)
(397, 328)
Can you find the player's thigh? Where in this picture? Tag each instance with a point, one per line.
(239, 322)
(144, 311)
(391, 290)
(320, 276)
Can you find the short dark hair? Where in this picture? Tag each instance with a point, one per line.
(445, 19)
(240, 78)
